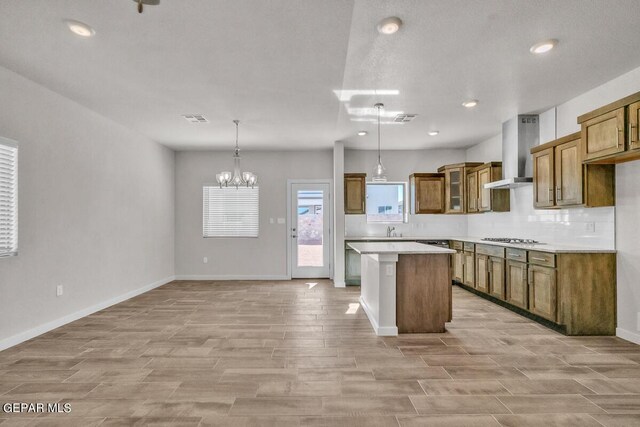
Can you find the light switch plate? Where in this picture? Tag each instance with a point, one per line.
(281, 221)
(205, 260)
(591, 226)
(59, 290)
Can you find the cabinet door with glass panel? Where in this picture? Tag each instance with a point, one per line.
(455, 179)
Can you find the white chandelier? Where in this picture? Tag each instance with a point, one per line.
(238, 178)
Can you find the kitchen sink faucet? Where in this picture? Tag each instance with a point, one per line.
(389, 230)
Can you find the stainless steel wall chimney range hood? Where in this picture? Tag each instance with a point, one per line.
(519, 136)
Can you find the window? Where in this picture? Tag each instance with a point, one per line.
(229, 212)
(8, 197)
(386, 202)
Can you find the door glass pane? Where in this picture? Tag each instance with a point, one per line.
(310, 229)
(455, 199)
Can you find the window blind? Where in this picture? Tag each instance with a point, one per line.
(8, 198)
(230, 212)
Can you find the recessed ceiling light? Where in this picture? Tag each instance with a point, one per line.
(433, 132)
(543, 47)
(80, 28)
(362, 133)
(470, 103)
(389, 25)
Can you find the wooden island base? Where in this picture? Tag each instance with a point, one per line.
(423, 293)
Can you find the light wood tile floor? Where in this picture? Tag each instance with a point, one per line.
(299, 354)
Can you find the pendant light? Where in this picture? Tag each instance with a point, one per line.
(379, 173)
(238, 178)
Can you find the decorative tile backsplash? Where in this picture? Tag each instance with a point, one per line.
(593, 227)
(418, 226)
(590, 227)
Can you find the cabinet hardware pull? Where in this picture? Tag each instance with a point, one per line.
(516, 255)
(558, 193)
(538, 259)
(530, 278)
(550, 195)
(630, 136)
(620, 131)
(524, 274)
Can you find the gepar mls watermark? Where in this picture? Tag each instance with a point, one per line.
(36, 408)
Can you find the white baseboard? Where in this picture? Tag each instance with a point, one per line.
(634, 337)
(230, 277)
(337, 284)
(39, 330)
(382, 331)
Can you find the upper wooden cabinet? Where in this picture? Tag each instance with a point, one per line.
(543, 178)
(354, 193)
(560, 179)
(472, 192)
(427, 193)
(604, 134)
(455, 186)
(610, 134)
(496, 200)
(634, 125)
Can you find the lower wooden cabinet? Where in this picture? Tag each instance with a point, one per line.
(496, 277)
(576, 291)
(542, 291)
(458, 266)
(482, 273)
(517, 292)
(469, 274)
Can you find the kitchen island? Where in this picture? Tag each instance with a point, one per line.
(405, 287)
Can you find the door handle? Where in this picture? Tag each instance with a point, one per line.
(619, 132)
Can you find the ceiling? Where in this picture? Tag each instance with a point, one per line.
(275, 65)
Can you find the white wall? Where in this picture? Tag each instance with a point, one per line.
(338, 214)
(400, 164)
(489, 150)
(264, 257)
(96, 211)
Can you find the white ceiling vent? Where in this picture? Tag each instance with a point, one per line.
(404, 118)
(195, 118)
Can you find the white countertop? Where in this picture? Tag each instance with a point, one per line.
(398, 248)
(384, 238)
(542, 247)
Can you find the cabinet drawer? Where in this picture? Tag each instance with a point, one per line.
(517, 254)
(456, 245)
(491, 250)
(469, 247)
(542, 258)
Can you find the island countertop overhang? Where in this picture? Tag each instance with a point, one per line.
(365, 248)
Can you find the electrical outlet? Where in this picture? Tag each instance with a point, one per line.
(205, 260)
(591, 226)
(389, 270)
(281, 221)
(59, 290)
(638, 325)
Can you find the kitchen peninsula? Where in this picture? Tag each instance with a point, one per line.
(405, 287)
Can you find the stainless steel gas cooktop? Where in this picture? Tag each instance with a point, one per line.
(510, 240)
